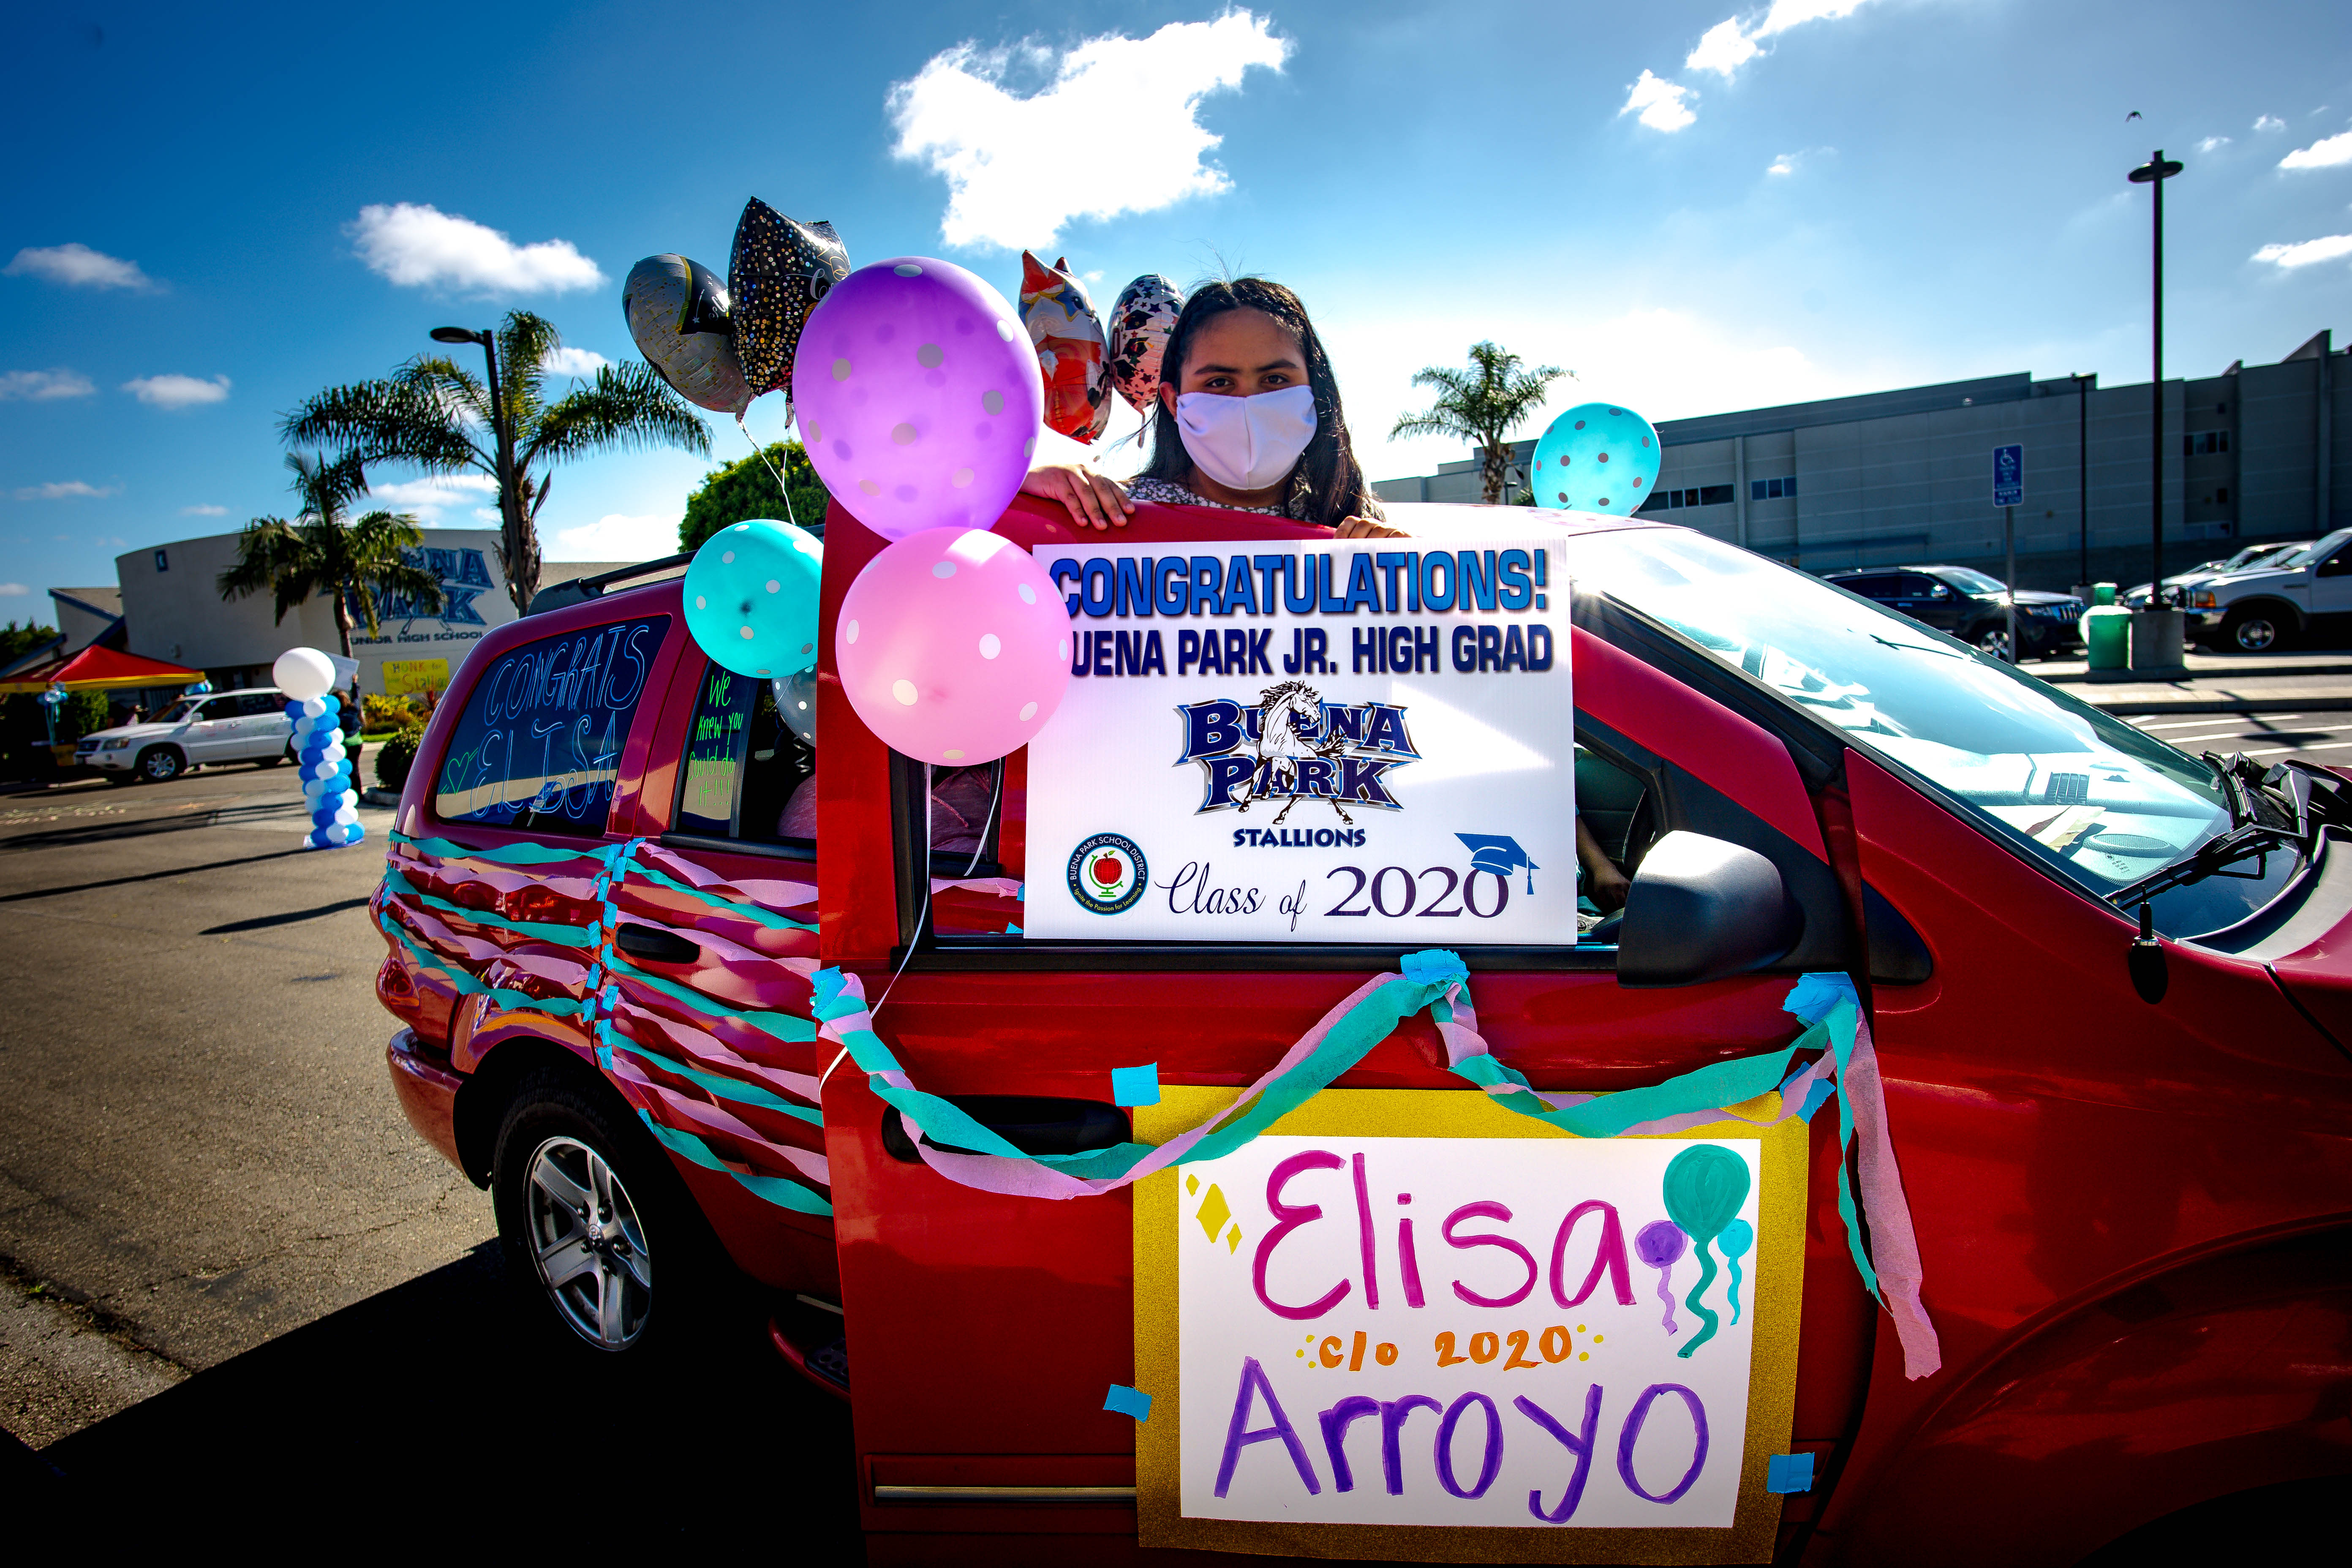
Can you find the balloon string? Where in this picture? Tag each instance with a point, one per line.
(761, 452)
(922, 916)
(1705, 1279)
(1734, 1291)
(1667, 1296)
(989, 821)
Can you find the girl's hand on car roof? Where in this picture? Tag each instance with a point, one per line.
(1095, 499)
(1368, 528)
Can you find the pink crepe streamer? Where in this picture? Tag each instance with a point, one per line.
(994, 1173)
(1893, 1245)
(993, 886)
(764, 891)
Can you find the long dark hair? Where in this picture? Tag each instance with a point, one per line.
(1328, 485)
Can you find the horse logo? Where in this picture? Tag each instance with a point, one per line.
(1291, 745)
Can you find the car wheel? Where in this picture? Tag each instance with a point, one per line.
(2252, 630)
(270, 761)
(586, 1202)
(161, 764)
(1993, 642)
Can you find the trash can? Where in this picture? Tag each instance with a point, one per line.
(2106, 630)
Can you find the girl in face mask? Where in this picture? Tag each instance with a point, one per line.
(1248, 419)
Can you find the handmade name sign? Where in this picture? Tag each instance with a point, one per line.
(1317, 741)
(1585, 1337)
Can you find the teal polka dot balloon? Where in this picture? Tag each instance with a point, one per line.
(751, 597)
(1597, 458)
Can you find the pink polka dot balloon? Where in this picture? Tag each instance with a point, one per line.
(918, 396)
(953, 647)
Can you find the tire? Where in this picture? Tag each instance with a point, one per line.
(2254, 629)
(270, 761)
(161, 764)
(1993, 641)
(586, 1202)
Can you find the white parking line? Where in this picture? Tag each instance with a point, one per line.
(2220, 735)
(2207, 719)
(2323, 746)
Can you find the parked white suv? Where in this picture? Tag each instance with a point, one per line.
(248, 726)
(2256, 610)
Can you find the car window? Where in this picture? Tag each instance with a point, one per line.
(538, 745)
(1914, 586)
(749, 775)
(1873, 587)
(2102, 802)
(2311, 552)
(263, 704)
(1972, 581)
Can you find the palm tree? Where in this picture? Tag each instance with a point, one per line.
(324, 552)
(1482, 405)
(434, 414)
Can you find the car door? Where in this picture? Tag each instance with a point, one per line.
(1029, 1033)
(262, 727)
(210, 733)
(2331, 583)
(715, 943)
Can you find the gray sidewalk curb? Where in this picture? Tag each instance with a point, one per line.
(2143, 707)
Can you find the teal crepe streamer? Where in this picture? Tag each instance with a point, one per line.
(766, 917)
(784, 1194)
(1828, 1001)
(539, 931)
(468, 986)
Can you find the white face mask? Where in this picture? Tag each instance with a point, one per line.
(1246, 443)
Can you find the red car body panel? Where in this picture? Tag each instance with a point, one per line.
(2131, 1217)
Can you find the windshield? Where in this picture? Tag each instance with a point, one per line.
(2104, 803)
(1974, 581)
(2311, 552)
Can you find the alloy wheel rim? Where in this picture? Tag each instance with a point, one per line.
(588, 1243)
(1995, 644)
(2256, 636)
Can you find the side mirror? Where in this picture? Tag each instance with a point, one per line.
(1700, 908)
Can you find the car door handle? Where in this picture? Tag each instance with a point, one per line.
(655, 946)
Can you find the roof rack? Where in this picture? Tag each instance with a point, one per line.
(580, 590)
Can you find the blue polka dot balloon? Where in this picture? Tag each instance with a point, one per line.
(751, 597)
(1597, 458)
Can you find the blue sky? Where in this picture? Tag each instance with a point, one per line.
(1805, 198)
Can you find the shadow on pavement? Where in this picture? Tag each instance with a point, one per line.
(438, 1413)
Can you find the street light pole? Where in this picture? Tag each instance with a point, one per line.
(2082, 475)
(515, 543)
(2155, 172)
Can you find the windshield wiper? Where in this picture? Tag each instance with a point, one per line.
(2209, 859)
(2312, 801)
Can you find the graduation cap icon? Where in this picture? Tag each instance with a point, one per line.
(1498, 854)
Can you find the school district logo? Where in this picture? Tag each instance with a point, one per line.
(1108, 874)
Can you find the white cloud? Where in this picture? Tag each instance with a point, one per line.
(1722, 48)
(575, 361)
(1008, 160)
(43, 385)
(424, 497)
(1660, 102)
(177, 392)
(63, 489)
(2270, 122)
(613, 537)
(12, 590)
(1786, 163)
(2212, 143)
(1731, 42)
(79, 266)
(417, 246)
(2309, 253)
(2325, 154)
(204, 511)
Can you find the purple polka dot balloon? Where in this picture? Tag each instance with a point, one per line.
(918, 396)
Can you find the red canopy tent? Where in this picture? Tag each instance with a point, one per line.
(100, 669)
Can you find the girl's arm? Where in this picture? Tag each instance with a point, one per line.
(1607, 890)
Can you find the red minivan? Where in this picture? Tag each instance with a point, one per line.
(2110, 987)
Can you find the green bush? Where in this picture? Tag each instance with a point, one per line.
(395, 757)
(746, 488)
(379, 712)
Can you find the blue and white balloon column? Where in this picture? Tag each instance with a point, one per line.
(307, 676)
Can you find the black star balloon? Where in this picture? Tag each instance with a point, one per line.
(779, 271)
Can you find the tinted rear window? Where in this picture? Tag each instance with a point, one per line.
(539, 745)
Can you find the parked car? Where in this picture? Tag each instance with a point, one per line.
(1972, 607)
(2263, 607)
(2246, 560)
(2126, 1155)
(245, 726)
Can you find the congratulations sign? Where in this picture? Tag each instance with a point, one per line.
(1507, 1334)
(1319, 741)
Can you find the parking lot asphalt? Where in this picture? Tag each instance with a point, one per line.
(230, 1273)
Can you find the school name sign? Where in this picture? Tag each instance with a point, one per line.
(1309, 741)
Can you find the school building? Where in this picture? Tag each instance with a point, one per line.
(2255, 454)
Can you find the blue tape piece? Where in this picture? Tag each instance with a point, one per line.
(1788, 1472)
(1135, 1086)
(1814, 994)
(1814, 1098)
(1124, 1401)
(784, 1194)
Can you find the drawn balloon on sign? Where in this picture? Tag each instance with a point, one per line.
(1705, 1186)
(1661, 1245)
